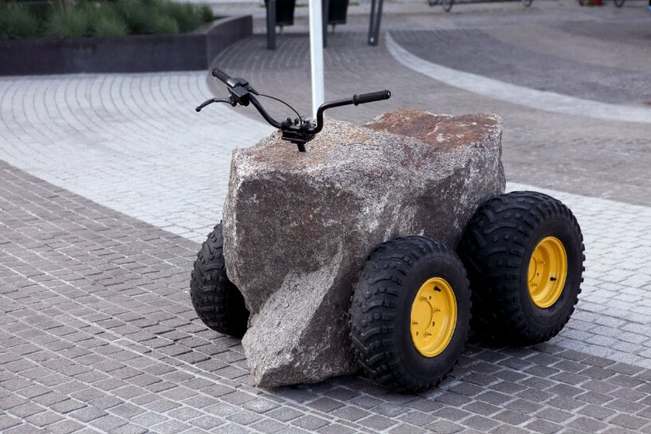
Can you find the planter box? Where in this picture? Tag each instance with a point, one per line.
(138, 53)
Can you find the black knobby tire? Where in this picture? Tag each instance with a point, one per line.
(619, 3)
(381, 313)
(498, 248)
(216, 300)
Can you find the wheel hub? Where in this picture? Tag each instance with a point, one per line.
(547, 272)
(433, 317)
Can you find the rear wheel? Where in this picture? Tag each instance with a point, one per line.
(216, 300)
(527, 3)
(410, 313)
(524, 256)
(619, 3)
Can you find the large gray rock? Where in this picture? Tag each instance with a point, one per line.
(298, 227)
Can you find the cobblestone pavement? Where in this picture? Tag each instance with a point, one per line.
(98, 335)
(131, 142)
(108, 183)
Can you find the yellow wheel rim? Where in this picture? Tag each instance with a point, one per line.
(433, 317)
(547, 272)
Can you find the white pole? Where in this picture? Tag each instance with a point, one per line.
(316, 54)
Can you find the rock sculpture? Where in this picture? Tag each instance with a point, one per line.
(298, 227)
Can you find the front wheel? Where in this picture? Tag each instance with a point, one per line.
(619, 3)
(527, 3)
(524, 256)
(410, 313)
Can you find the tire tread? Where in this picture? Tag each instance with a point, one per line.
(493, 250)
(374, 315)
(215, 299)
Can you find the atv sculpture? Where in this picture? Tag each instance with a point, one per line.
(516, 272)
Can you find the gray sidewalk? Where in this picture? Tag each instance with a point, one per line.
(109, 182)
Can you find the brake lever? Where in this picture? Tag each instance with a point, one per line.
(212, 100)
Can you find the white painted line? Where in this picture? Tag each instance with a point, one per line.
(539, 100)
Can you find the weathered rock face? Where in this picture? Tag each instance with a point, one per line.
(298, 227)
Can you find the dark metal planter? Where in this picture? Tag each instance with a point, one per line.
(138, 53)
(337, 12)
(284, 12)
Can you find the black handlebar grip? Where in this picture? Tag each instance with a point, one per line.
(221, 75)
(370, 97)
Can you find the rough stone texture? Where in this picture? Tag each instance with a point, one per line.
(298, 227)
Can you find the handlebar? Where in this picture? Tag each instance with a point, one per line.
(299, 131)
(221, 75)
(371, 97)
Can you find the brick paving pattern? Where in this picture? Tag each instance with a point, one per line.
(108, 183)
(132, 142)
(98, 335)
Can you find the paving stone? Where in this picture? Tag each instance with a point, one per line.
(524, 406)
(512, 417)
(23, 429)
(44, 418)
(445, 427)
(597, 412)
(628, 421)
(480, 423)
(495, 398)
(586, 424)
(171, 427)
(129, 429)
(448, 413)
(311, 423)
(87, 414)
(7, 421)
(244, 417)
(509, 430)
(285, 414)
(543, 426)
(405, 429)
(64, 427)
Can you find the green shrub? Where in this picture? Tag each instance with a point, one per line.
(17, 21)
(67, 23)
(101, 18)
(186, 16)
(133, 14)
(147, 17)
(207, 15)
(161, 24)
(109, 25)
